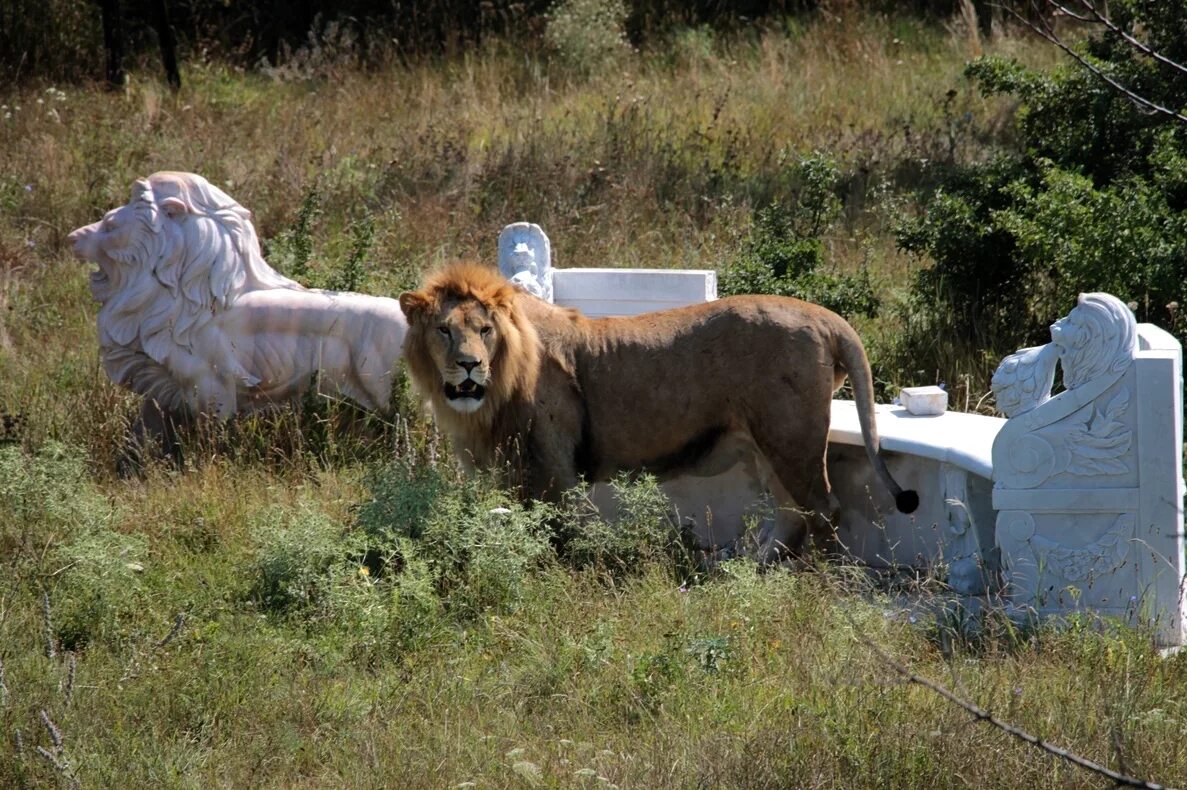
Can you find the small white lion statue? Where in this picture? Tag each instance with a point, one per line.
(195, 320)
(525, 258)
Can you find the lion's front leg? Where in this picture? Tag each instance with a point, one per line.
(549, 467)
(156, 432)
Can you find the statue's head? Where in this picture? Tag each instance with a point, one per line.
(1098, 337)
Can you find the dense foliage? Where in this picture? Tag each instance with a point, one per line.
(1092, 195)
(784, 254)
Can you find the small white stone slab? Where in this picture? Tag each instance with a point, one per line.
(923, 401)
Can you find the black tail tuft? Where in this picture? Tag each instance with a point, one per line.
(907, 501)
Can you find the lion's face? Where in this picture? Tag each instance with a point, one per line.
(1099, 335)
(467, 347)
(1068, 332)
(463, 342)
(126, 240)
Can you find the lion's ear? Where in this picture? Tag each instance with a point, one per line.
(173, 207)
(414, 304)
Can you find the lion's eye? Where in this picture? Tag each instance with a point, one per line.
(485, 330)
(443, 330)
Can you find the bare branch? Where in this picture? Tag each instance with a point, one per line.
(1046, 32)
(1145, 49)
(980, 714)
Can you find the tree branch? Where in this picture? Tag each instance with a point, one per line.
(1145, 49)
(1046, 32)
(980, 714)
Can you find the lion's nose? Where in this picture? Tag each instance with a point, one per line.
(77, 241)
(468, 366)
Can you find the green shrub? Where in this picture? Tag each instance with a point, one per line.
(479, 546)
(587, 35)
(291, 252)
(46, 497)
(102, 592)
(784, 253)
(292, 566)
(352, 274)
(640, 533)
(55, 523)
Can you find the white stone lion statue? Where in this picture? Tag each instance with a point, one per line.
(195, 320)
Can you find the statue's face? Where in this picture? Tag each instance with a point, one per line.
(1067, 332)
(523, 260)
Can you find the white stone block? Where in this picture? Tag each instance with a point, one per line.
(599, 293)
(924, 400)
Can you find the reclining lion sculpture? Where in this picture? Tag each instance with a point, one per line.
(193, 318)
(552, 396)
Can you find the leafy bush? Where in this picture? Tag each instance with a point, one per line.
(297, 552)
(1093, 197)
(640, 532)
(54, 521)
(479, 546)
(784, 254)
(588, 35)
(291, 252)
(103, 590)
(46, 496)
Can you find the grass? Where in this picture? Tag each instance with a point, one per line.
(353, 612)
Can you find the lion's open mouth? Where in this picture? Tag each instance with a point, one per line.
(100, 285)
(468, 389)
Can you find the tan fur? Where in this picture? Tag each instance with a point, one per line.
(667, 392)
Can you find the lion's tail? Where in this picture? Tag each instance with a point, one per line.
(857, 365)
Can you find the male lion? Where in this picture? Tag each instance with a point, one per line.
(556, 396)
(193, 319)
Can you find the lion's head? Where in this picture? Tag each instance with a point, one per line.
(469, 348)
(1098, 337)
(176, 255)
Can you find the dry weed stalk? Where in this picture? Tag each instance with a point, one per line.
(178, 624)
(66, 686)
(51, 650)
(56, 758)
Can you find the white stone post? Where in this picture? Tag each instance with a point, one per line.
(1088, 484)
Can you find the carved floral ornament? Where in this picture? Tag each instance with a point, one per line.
(1072, 432)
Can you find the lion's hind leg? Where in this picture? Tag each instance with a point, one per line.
(801, 474)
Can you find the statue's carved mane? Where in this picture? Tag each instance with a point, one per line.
(176, 275)
(1104, 339)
